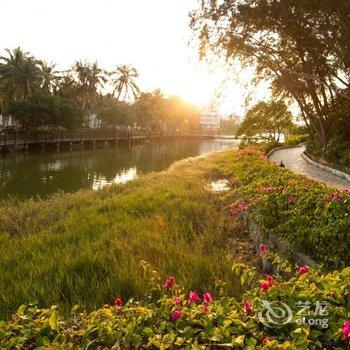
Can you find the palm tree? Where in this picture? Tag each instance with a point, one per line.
(125, 81)
(89, 78)
(49, 77)
(20, 74)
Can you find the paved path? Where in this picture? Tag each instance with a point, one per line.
(293, 160)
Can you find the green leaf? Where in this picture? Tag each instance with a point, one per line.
(53, 321)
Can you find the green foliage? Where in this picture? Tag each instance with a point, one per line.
(300, 47)
(307, 214)
(223, 322)
(295, 140)
(266, 121)
(42, 110)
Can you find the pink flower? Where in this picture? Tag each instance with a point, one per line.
(248, 307)
(243, 206)
(169, 283)
(346, 330)
(303, 269)
(175, 315)
(281, 188)
(269, 279)
(334, 197)
(205, 308)
(263, 248)
(291, 200)
(177, 301)
(193, 297)
(207, 297)
(118, 302)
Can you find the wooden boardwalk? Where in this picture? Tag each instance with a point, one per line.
(24, 141)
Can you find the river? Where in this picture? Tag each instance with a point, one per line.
(25, 175)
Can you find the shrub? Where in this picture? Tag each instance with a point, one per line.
(315, 316)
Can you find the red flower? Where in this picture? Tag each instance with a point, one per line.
(248, 307)
(207, 297)
(175, 315)
(118, 302)
(169, 283)
(263, 248)
(193, 297)
(265, 286)
(303, 269)
(346, 330)
(243, 206)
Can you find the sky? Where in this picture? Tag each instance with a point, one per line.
(151, 35)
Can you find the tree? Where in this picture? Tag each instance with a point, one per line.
(42, 110)
(20, 74)
(89, 78)
(266, 121)
(49, 77)
(113, 113)
(125, 81)
(302, 47)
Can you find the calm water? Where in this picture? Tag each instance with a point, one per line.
(32, 174)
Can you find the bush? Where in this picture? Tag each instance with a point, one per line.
(308, 311)
(306, 213)
(295, 140)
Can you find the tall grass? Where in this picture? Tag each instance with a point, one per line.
(85, 248)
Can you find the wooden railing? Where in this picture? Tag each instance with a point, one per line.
(13, 139)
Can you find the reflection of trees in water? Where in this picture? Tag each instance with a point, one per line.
(45, 173)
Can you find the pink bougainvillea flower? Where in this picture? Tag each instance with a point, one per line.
(265, 286)
(205, 308)
(346, 330)
(207, 297)
(269, 279)
(177, 301)
(248, 307)
(118, 302)
(243, 206)
(291, 200)
(193, 297)
(303, 269)
(169, 283)
(334, 197)
(263, 248)
(175, 315)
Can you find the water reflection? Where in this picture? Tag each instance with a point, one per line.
(27, 175)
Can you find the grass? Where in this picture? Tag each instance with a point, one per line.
(85, 248)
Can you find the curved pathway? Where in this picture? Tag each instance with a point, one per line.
(292, 159)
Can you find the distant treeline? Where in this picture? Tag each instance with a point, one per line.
(39, 97)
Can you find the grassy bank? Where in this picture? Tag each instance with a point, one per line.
(85, 248)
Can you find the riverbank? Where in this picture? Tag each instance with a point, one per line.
(85, 248)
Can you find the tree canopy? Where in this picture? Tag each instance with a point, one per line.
(302, 47)
(267, 121)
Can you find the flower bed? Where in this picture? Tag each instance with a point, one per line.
(316, 316)
(311, 216)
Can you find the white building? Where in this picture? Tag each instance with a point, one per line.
(209, 120)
